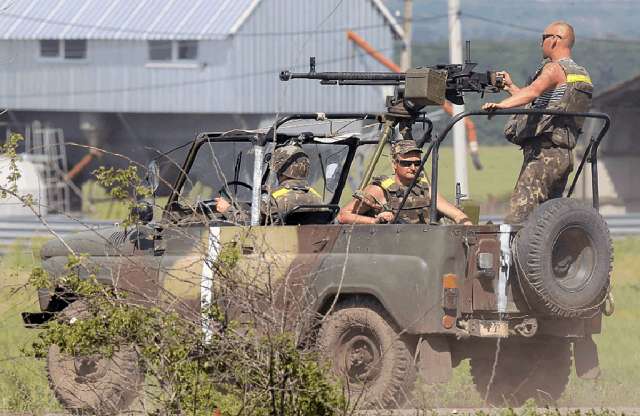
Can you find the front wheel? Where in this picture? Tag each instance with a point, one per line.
(368, 354)
(94, 384)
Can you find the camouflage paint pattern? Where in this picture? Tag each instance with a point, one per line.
(294, 270)
(543, 176)
(291, 161)
(404, 146)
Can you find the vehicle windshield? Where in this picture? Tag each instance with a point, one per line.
(226, 169)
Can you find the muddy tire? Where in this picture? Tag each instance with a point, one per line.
(94, 384)
(523, 371)
(367, 354)
(564, 256)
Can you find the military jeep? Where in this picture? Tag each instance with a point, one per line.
(388, 301)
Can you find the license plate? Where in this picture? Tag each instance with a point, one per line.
(489, 329)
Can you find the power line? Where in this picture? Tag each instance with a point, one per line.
(538, 31)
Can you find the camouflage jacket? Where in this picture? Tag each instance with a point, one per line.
(416, 208)
(289, 194)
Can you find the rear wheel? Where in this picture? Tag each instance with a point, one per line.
(94, 384)
(366, 352)
(522, 371)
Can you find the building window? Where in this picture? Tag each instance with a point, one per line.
(50, 48)
(75, 49)
(173, 51)
(188, 50)
(160, 50)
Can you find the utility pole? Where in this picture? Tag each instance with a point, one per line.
(405, 58)
(459, 132)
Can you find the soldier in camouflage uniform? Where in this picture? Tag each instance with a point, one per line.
(547, 141)
(376, 203)
(291, 166)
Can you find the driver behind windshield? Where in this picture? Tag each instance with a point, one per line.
(374, 205)
(291, 165)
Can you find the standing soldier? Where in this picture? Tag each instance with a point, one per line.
(546, 141)
(376, 203)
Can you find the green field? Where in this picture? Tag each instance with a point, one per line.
(23, 383)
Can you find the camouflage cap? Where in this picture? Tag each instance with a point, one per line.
(291, 161)
(402, 147)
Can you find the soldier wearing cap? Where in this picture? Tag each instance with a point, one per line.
(376, 203)
(291, 165)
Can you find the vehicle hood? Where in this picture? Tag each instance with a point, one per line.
(96, 242)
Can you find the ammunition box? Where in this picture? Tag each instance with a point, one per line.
(425, 86)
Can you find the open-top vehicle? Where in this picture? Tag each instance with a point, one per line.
(382, 302)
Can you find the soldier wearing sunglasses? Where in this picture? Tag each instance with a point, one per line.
(377, 203)
(546, 141)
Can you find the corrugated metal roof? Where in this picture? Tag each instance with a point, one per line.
(129, 19)
(122, 19)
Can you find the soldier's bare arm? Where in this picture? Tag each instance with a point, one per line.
(552, 75)
(355, 211)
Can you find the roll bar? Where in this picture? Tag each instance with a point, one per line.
(591, 153)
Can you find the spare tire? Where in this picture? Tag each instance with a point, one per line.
(564, 256)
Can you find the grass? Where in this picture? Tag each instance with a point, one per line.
(23, 383)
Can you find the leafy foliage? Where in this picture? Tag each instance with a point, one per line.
(238, 369)
(9, 151)
(124, 185)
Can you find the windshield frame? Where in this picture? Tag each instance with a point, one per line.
(261, 138)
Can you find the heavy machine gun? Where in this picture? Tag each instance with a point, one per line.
(414, 90)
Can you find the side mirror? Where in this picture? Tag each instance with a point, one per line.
(143, 211)
(153, 175)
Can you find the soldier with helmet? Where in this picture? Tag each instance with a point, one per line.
(378, 201)
(291, 165)
(546, 140)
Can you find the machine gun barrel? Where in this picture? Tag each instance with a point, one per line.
(391, 78)
(418, 86)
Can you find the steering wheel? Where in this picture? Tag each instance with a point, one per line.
(207, 206)
(223, 191)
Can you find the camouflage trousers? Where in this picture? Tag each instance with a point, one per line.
(543, 176)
